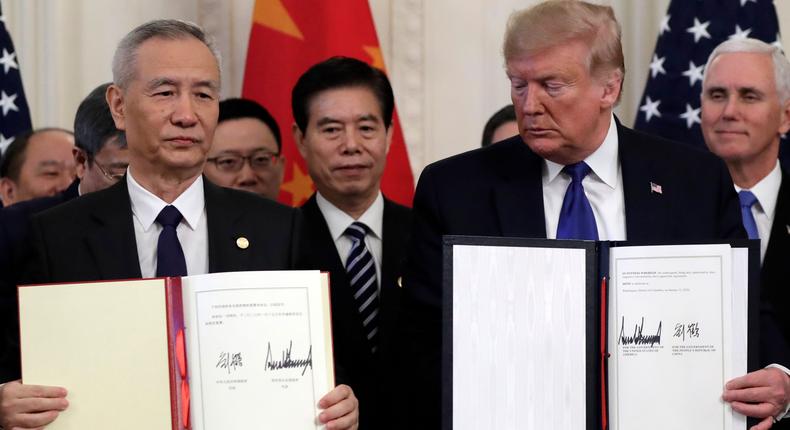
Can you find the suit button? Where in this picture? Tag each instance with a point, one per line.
(242, 243)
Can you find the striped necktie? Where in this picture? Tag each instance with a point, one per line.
(362, 273)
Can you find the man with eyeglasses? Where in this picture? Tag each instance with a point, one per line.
(246, 151)
(101, 147)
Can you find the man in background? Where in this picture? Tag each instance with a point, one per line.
(343, 112)
(37, 164)
(500, 126)
(745, 110)
(246, 151)
(101, 152)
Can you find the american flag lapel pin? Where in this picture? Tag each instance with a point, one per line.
(655, 188)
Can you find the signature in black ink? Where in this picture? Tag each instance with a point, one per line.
(229, 361)
(638, 338)
(690, 329)
(287, 362)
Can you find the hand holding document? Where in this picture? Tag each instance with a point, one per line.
(221, 351)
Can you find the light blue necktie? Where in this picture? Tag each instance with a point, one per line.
(577, 220)
(747, 201)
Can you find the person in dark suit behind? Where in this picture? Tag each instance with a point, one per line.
(102, 158)
(163, 218)
(745, 110)
(573, 172)
(343, 111)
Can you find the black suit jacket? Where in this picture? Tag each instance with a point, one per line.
(92, 238)
(775, 275)
(497, 191)
(14, 229)
(367, 374)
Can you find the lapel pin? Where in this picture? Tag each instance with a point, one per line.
(655, 188)
(400, 278)
(242, 243)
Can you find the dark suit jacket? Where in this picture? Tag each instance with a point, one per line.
(775, 275)
(92, 237)
(497, 191)
(367, 374)
(14, 229)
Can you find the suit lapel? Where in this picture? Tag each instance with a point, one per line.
(646, 212)
(222, 219)
(112, 242)
(779, 241)
(518, 197)
(321, 249)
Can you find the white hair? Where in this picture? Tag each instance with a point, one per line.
(123, 66)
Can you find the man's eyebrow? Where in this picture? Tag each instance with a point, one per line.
(158, 82)
(327, 120)
(368, 117)
(49, 163)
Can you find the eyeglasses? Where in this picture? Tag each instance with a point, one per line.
(114, 173)
(261, 160)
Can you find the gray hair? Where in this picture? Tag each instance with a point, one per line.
(123, 62)
(754, 46)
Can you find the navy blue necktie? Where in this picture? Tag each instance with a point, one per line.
(577, 220)
(170, 259)
(747, 201)
(362, 271)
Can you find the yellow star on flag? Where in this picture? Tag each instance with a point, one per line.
(377, 60)
(274, 15)
(300, 186)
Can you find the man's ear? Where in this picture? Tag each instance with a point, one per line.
(612, 86)
(82, 161)
(784, 124)
(390, 132)
(299, 139)
(114, 96)
(7, 191)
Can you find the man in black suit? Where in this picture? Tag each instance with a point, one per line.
(163, 218)
(343, 111)
(574, 172)
(745, 110)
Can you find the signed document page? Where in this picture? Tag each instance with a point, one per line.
(670, 337)
(518, 342)
(106, 343)
(259, 349)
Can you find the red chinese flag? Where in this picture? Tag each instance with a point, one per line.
(289, 36)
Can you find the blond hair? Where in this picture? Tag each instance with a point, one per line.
(555, 22)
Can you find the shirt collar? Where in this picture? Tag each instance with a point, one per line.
(767, 190)
(338, 221)
(146, 206)
(603, 161)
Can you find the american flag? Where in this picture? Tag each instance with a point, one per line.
(14, 113)
(670, 105)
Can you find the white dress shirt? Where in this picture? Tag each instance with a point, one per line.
(603, 188)
(338, 221)
(192, 231)
(767, 193)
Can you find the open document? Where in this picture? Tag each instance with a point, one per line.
(679, 320)
(595, 335)
(222, 351)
